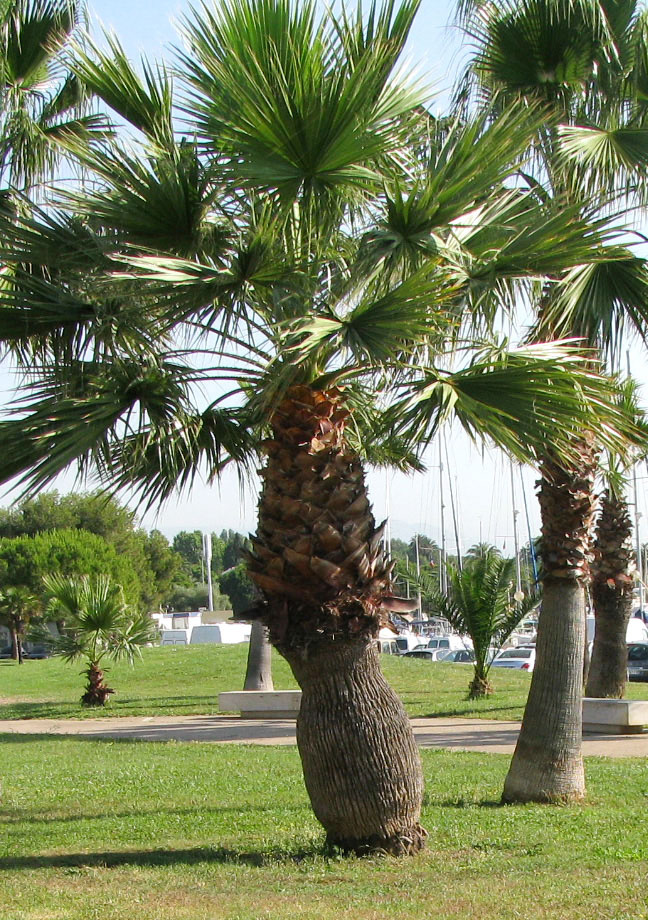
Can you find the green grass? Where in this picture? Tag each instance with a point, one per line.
(187, 680)
(153, 831)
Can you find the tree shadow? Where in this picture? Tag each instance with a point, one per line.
(26, 816)
(153, 858)
(59, 709)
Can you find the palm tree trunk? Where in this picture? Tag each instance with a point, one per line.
(547, 764)
(612, 586)
(258, 675)
(97, 691)
(318, 561)
(361, 764)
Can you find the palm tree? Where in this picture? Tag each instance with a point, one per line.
(613, 570)
(309, 254)
(98, 624)
(584, 62)
(480, 603)
(41, 102)
(17, 607)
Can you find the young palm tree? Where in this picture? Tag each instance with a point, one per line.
(480, 603)
(98, 625)
(584, 62)
(316, 239)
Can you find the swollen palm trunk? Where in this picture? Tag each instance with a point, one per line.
(547, 764)
(318, 561)
(612, 586)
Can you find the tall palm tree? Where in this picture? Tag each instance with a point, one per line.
(98, 625)
(584, 62)
(480, 603)
(309, 254)
(613, 570)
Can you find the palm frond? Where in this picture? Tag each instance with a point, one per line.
(145, 102)
(529, 401)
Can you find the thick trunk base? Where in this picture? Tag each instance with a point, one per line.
(361, 764)
(97, 691)
(547, 765)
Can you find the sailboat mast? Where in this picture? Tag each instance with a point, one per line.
(443, 581)
(637, 515)
(452, 506)
(516, 546)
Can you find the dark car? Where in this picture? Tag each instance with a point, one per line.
(638, 661)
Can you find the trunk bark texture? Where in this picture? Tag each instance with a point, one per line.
(258, 675)
(317, 559)
(361, 764)
(547, 764)
(612, 585)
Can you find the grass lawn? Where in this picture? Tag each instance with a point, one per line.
(184, 680)
(101, 830)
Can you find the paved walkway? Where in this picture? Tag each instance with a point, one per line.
(460, 734)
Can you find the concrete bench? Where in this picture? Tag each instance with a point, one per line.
(261, 704)
(615, 717)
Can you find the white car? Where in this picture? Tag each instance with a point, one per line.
(522, 657)
(458, 656)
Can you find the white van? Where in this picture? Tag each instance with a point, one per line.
(174, 637)
(221, 633)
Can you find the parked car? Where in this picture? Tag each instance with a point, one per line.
(638, 661)
(458, 656)
(429, 654)
(522, 657)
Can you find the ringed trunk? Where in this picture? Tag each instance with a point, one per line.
(317, 559)
(612, 585)
(547, 764)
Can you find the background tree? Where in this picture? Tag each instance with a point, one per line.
(480, 603)
(355, 245)
(24, 561)
(156, 565)
(18, 606)
(238, 586)
(98, 624)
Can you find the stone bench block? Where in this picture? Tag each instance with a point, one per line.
(619, 717)
(261, 704)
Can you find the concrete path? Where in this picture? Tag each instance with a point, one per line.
(460, 734)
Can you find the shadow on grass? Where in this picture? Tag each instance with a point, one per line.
(25, 816)
(58, 709)
(152, 858)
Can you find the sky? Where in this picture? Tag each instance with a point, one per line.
(477, 479)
